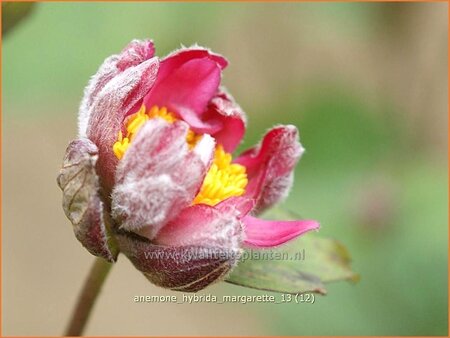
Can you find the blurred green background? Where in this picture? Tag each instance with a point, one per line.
(365, 83)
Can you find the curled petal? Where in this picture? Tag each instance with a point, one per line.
(187, 80)
(187, 89)
(135, 53)
(120, 95)
(82, 203)
(182, 268)
(159, 176)
(203, 225)
(179, 57)
(266, 233)
(224, 111)
(270, 166)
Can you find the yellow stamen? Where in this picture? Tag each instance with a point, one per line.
(136, 121)
(121, 146)
(223, 180)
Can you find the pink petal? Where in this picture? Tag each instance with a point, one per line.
(270, 166)
(265, 233)
(135, 53)
(230, 116)
(158, 176)
(179, 57)
(187, 89)
(242, 205)
(203, 225)
(187, 80)
(120, 95)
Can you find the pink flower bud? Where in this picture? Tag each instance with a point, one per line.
(152, 174)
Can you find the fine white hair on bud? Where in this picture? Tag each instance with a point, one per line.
(205, 149)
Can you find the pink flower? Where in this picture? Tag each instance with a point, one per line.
(152, 175)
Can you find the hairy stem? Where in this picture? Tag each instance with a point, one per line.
(88, 296)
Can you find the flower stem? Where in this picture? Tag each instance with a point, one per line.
(87, 297)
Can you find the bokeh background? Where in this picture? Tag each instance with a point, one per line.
(365, 83)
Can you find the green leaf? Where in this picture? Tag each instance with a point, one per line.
(304, 265)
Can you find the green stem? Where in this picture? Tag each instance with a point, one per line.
(88, 295)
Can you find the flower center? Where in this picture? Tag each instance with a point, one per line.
(223, 180)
